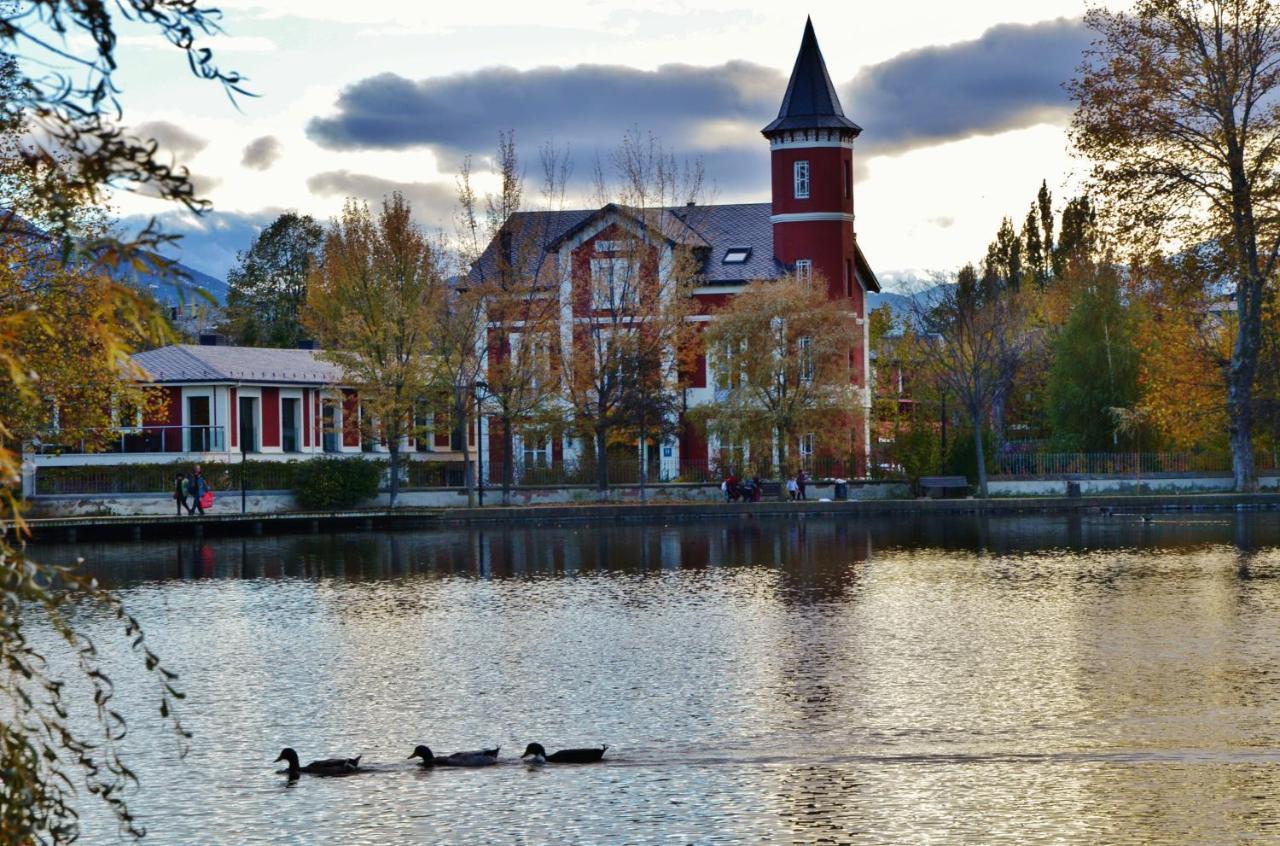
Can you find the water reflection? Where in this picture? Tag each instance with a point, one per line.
(1075, 679)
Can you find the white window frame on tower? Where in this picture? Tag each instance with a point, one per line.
(800, 174)
(804, 270)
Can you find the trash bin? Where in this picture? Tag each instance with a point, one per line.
(842, 489)
(1073, 489)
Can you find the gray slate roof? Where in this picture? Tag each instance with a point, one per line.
(193, 363)
(721, 228)
(811, 101)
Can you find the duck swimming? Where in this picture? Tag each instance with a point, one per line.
(564, 756)
(324, 767)
(474, 758)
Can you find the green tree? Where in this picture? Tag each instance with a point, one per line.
(266, 290)
(1095, 366)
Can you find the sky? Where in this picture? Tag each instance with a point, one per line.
(961, 104)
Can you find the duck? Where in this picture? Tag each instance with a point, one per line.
(324, 767)
(565, 756)
(473, 758)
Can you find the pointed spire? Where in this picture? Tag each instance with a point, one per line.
(811, 101)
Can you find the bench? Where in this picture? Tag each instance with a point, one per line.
(936, 487)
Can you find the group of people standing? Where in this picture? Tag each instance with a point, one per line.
(194, 493)
(749, 490)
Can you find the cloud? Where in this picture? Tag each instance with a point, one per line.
(210, 241)
(432, 201)
(261, 153)
(1009, 78)
(172, 137)
(943, 222)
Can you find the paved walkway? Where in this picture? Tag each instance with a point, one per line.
(137, 527)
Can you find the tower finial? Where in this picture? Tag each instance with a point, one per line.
(811, 101)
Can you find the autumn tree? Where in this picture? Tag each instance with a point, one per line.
(373, 302)
(780, 354)
(513, 277)
(633, 303)
(1177, 107)
(268, 286)
(62, 736)
(966, 331)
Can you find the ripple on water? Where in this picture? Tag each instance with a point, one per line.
(1020, 681)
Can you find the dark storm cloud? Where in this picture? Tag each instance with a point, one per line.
(261, 153)
(1010, 77)
(433, 202)
(171, 137)
(594, 104)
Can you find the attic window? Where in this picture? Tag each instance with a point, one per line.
(736, 255)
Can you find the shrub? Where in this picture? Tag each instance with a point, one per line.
(325, 483)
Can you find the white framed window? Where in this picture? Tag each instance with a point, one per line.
(536, 355)
(613, 283)
(537, 451)
(804, 270)
(800, 172)
(804, 349)
(806, 446)
(736, 255)
(732, 366)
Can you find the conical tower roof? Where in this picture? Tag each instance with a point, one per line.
(811, 101)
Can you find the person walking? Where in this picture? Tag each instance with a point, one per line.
(181, 491)
(793, 489)
(800, 481)
(199, 487)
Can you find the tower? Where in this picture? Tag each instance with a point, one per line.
(811, 144)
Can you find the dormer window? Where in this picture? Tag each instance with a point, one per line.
(801, 172)
(736, 255)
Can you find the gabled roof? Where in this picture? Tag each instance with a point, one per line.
(811, 101)
(194, 363)
(711, 230)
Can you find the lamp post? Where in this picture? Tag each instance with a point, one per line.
(243, 455)
(476, 388)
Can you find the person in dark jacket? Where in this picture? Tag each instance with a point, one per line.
(199, 487)
(181, 491)
(801, 479)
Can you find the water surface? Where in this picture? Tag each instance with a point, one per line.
(1020, 680)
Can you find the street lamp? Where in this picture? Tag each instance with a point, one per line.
(476, 387)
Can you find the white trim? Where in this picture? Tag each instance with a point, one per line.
(707, 290)
(806, 217)
(779, 144)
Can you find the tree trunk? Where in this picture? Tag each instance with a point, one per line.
(468, 466)
(508, 460)
(393, 446)
(602, 458)
(981, 455)
(782, 465)
(644, 458)
(1240, 425)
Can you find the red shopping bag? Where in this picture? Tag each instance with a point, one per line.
(206, 501)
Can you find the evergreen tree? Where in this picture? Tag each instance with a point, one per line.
(1095, 366)
(266, 291)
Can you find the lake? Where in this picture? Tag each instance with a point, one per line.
(1064, 679)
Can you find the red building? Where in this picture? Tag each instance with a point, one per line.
(806, 228)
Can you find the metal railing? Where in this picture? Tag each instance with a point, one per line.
(1036, 465)
(143, 439)
(159, 478)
